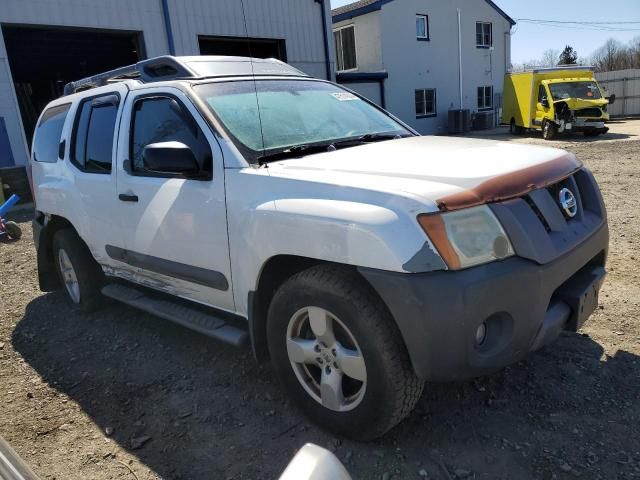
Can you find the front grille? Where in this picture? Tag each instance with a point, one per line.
(589, 112)
(539, 227)
(538, 213)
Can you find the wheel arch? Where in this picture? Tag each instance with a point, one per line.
(275, 271)
(48, 225)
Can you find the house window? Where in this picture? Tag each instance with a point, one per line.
(484, 34)
(422, 27)
(345, 42)
(485, 98)
(425, 102)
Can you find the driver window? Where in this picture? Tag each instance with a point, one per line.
(542, 93)
(164, 119)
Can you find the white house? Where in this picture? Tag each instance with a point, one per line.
(46, 43)
(421, 58)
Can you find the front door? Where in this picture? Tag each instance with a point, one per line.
(174, 226)
(543, 106)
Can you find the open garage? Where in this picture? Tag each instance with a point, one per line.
(43, 59)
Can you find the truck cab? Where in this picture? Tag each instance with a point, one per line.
(555, 100)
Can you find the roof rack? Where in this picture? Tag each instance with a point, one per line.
(536, 69)
(154, 69)
(168, 67)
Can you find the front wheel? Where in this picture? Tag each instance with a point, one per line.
(339, 354)
(549, 130)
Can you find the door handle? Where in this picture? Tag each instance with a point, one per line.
(128, 198)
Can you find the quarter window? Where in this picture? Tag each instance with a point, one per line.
(484, 34)
(164, 119)
(485, 97)
(422, 27)
(48, 133)
(425, 102)
(345, 43)
(92, 144)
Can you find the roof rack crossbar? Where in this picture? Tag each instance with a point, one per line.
(155, 69)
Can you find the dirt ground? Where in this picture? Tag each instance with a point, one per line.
(122, 395)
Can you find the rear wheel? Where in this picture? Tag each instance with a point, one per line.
(515, 129)
(80, 275)
(339, 354)
(549, 130)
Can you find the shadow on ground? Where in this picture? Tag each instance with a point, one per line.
(211, 412)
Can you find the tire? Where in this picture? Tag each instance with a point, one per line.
(549, 130)
(362, 324)
(86, 271)
(515, 129)
(13, 230)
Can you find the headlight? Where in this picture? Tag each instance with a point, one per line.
(468, 237)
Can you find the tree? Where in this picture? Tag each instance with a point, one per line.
(611, 56)
(549, 58)
(568, 56)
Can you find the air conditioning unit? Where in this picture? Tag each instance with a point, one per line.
(484, 120)
(459, 121)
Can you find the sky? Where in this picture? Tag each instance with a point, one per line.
(530, 40)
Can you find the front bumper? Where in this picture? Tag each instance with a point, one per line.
(525, 305)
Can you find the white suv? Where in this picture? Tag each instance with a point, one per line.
(243, 199)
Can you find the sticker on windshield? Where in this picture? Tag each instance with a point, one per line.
(344, 96)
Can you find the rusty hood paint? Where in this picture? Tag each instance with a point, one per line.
(446, 173)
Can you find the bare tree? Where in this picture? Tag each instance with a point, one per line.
(550, 58)
(611, 56)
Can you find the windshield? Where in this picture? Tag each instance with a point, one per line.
(292, 113)
(584, 90)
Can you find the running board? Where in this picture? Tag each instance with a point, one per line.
(192, 318)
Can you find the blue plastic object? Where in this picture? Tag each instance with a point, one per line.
(6, 206)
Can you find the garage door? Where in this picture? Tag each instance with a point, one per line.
(44, 58)
(243, 47)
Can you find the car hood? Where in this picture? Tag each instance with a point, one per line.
(446, 172)
(578, 103)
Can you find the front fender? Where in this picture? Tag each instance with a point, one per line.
(382, 234)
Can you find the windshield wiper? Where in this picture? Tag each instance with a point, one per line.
(305, 149)
(296, 151)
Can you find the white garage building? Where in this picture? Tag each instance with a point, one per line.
(46, 43)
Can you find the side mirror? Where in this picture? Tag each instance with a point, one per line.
(545, 102)
(315, 463)
(611, 99)
(169, 157)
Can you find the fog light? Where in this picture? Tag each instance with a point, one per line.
(481, 333)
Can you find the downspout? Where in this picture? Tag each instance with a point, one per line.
(460, 57)
(167, 26)
(325, 35)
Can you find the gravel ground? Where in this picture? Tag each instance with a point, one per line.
(120, 394)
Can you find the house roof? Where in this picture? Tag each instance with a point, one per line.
(361, 7)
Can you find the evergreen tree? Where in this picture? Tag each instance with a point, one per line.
(568, 56)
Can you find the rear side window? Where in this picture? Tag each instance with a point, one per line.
(164, 119)
(47, 138)
(92, 145)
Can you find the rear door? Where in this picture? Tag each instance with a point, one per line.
(174, 227)
(74, 145)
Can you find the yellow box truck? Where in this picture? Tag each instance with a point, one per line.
(555, 100)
